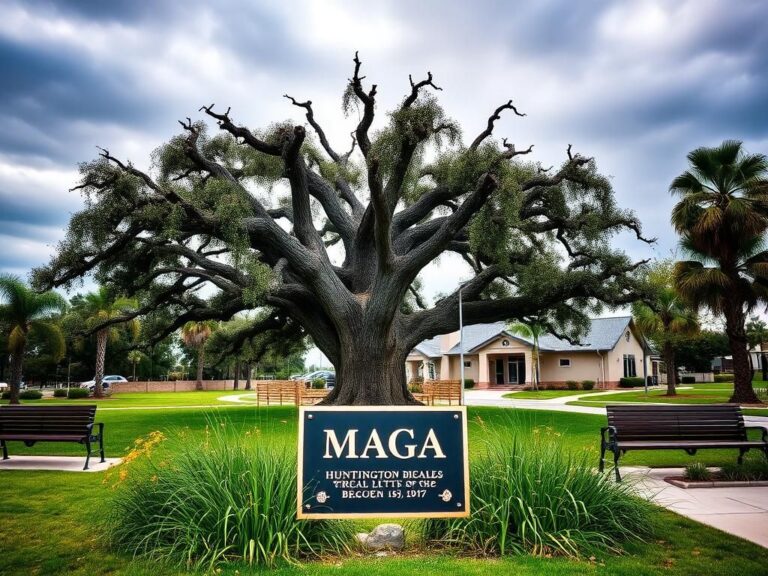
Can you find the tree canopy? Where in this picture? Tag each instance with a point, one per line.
(333, 242)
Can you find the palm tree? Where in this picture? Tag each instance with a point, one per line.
(757, 334)
(102, 310)
(533, 330)
(664, 318)
(722, 217)
(195, 335)
(134, 357)
(26, 312)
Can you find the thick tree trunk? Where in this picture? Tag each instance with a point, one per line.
(17, 363)
(200, 364)
(669, 361)
(743, 393)
(236, 385)
(369, 374)
(101, 352)
(249, 372)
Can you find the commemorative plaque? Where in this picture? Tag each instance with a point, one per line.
(373, 461)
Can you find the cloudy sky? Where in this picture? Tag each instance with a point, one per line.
(635, 84)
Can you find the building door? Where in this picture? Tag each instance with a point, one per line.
(499, 371)
(516, 370)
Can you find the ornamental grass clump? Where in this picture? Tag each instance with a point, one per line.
(228, 497)
(530, 496)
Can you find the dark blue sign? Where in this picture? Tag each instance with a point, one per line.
(375, 461)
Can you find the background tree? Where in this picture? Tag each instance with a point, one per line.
(697, 351)
(195, 335)
(104, 314)
(338, 245)
(757, 334)
(24, 312)
(134, 357)
(722, 217)
(278, 355)
(664, 317)
(532, 330)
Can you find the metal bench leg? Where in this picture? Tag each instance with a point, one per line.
(101, 441)
(5, 450)
(742, 451)
(616, 465)
(88, 456)
(601, 466)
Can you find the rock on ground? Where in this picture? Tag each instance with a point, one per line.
(383, 537)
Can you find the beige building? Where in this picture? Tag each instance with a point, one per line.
(493, 356)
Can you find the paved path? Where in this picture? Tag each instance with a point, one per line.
(58, 463)
(496, 398)
(740, 511)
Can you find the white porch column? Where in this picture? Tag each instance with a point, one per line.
(482, 368)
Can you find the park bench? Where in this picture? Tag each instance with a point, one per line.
(31, 424)
(688, 428)
(277, 392)
(310, 396)
(442, 391)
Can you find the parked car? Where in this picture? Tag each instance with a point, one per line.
(326, 375)
(105, 382)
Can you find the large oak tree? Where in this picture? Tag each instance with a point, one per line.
(334, 241)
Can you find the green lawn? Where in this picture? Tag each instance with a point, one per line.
(147, 399)
(49, 521)
(709, 393)
(547, 394)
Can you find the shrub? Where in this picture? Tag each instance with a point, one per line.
(416, 385)
(688, 380)
(697, 472)
(723, 378)
(572, 385)
(318, 383)
(74, 393)
(215, 500)
(469, 383)
(30, 394)
(60, 393)
(532, 496)
(631, 382)
(751, 469)
(587, 384)
(5, 395)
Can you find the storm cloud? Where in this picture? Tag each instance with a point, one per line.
(636, 85)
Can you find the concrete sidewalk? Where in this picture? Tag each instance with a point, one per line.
(57, 463)
(496, 398)
(740, 511)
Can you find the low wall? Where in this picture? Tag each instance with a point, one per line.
(700, 376)
(175, 386)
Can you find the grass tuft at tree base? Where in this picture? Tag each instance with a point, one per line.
(532, 496)
(229, 496)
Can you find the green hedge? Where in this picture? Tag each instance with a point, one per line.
(688, 380)
(469, 383)
(60, 393)
(587, 384)
(631, 382)
(78, 393)
(723, 377)
(572, 385)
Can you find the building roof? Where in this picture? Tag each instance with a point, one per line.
(430, 348)
(603, 334)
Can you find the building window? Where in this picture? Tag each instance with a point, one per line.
(629, 366)
(467, 364)
(565, 362)
(626, 336)
(505, 342)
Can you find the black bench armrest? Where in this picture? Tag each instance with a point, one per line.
(611, 434)
(760, 427)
